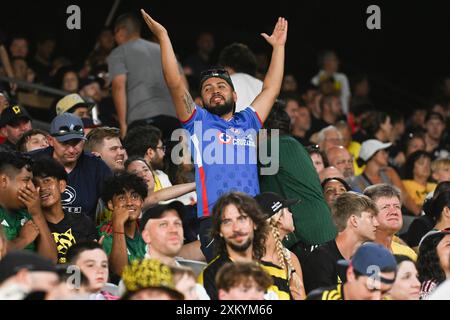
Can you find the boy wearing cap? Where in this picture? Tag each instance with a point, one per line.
(74, 103)
(23, 272)
(14, 122)
(355, 218)
(86, 172)
(124, 194)
(217, 115)
(20, 210)
(370, 275)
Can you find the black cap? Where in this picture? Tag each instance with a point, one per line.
(157, 211)
(215, 73)
(271, 202)
(13, 114)
(15, 261)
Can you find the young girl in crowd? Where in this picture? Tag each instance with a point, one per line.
(277, 256)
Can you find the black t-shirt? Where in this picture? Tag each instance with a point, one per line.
(208, 276)
(321, 268)
(84, 184)
(74, 228)
(330, 293)
(418, 228)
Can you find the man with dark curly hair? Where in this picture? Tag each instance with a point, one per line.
(124, 194)
(239, 231)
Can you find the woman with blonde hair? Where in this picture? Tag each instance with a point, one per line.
(283, 265)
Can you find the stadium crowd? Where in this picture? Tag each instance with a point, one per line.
(215, 179)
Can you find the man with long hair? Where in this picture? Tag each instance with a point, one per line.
(239, 232)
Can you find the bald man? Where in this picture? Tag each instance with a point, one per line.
(330, 172)
(340, 158)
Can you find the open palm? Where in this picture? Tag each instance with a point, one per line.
(156, 28)
(279, 34)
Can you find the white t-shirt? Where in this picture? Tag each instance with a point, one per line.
(247, 88)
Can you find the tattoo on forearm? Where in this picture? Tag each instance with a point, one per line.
(188, 102)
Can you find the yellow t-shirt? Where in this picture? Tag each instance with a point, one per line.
(400, 249)
(417, 191)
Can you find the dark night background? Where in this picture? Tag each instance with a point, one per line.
(404, 59)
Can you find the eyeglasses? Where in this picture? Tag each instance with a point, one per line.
(163, 148)
(64, 130)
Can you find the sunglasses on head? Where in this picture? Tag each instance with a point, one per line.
(214, 73)
(62, 131)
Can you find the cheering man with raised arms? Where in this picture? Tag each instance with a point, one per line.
(223, 142)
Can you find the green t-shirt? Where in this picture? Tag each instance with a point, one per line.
(12, 223)
(136, 247)
(298, 179)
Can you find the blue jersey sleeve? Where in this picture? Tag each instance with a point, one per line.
(199, 114)
(249, 119)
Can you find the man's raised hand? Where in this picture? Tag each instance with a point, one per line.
(279, 34)
(156, 28)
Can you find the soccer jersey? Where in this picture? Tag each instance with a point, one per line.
(136, 247)
(13, 222)
(225, 155)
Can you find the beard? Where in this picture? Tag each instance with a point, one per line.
(222, 109)
(240, 247)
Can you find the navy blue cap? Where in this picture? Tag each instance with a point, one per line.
(371, 258)
(67, 126)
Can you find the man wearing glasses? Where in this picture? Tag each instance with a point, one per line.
(86, 172)
(215, 178)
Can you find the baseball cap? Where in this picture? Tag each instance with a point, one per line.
(370, 147)
(434, 115)
(434, 233)
(157, 211)
(15, 261)
(149, 273)
(66, 127)
(271, 202)
(70, 102)
(13, 114)
(371, 257)
(90, 80)
(215, 73)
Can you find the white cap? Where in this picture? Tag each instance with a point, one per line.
(370, 147)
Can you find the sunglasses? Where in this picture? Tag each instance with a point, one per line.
(214, 73)
(64, 130)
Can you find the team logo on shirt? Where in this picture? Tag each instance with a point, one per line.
(63, 242)
(224, 138)
(68, 197)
